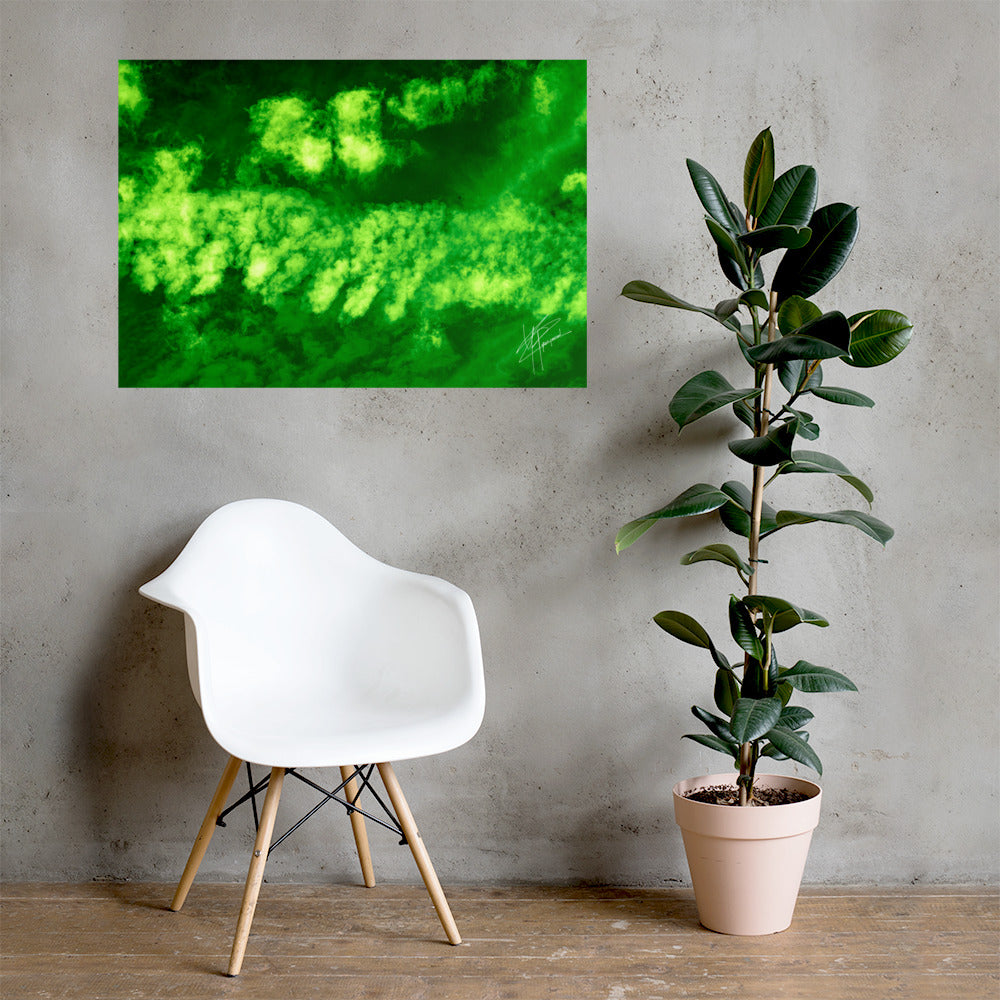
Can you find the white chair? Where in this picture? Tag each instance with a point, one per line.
(303, 651)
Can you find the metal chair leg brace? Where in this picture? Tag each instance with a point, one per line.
(359, 773)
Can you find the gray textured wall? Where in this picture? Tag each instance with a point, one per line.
(516, 495)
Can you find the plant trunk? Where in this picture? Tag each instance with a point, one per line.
(747, 761)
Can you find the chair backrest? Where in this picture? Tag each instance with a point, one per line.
(276, 576)
(277, 600)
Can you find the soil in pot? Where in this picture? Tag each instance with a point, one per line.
(729, 795)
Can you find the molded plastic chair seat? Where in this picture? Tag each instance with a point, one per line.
(304, 651)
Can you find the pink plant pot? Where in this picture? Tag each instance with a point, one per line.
(746, 862)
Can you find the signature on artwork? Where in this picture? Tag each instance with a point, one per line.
(534, 341)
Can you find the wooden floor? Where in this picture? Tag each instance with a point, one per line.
(104, 941)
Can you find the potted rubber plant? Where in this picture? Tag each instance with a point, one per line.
(788, 342)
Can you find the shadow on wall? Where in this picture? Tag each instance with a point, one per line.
(146, 746)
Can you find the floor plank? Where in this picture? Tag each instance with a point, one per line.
(114, 941)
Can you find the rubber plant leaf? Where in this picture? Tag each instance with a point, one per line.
(736, 515)
(758, 173)
(846, 397)
(753, 717)
(754, 297)
(744, 414)
(806, 270)
(795, 312)
(698, 499)
(816, 461)
(772, 448)
(871, 526)
(683, 627)
(731, 748)
(794, 717)
(770, 238)
(815, 680)
(704, 393)
(732, 271)
(775, 606)
(793, 375)
(827, 336)
(718, 553)
(714, 199)
(878, 337)
(727, 691)
(720, 727)
(743, 630)
(645, 291)
(794, 746)
(728, 245)
(793, 198)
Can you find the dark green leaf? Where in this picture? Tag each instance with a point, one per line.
(720, 727)
(727, 691)
(795, 312)
(758, 173)
(704, 393)
(727, 244)
(744, 414)
(829, 336)
(772, 448)
(812, 679)
(645, 291)
(754, 684)
(731, 749)
(794, 717)
(738, 493)
(713, 198)
(794, 746)
(720, 661)
(793, 198)
(816, 461)
(742, 627)
(793, 347)
(862, 487)
(736, 515)
(732, 271)
(770, 238)
(718, 553)
(771, 607)
(724, 309)
(808, 430)
(872, 526)
(683, 627)
(754, 297)
(753, 717)
(878, 337)
(793, 374)
(698, 499)
(847, 397)
(805, 271)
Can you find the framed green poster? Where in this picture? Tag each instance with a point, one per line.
(352, 223)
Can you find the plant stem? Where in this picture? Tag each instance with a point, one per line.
(756, 507)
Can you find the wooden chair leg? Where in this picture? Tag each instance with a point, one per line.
(420, 854)
(204, 837)
(358, 826)
(256, 873)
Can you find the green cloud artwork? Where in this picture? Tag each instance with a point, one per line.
(352, 223)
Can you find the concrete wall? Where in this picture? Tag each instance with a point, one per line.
(516, 495)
